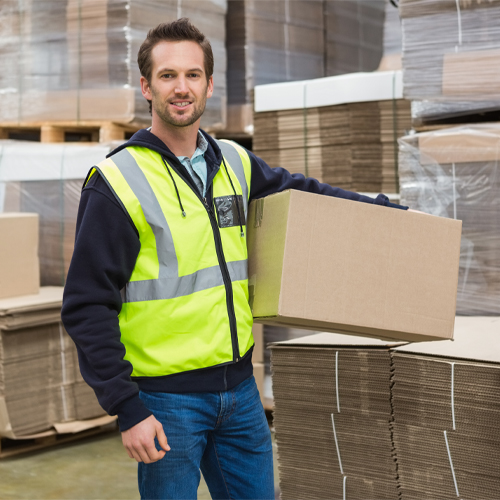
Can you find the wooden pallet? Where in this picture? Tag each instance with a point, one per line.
(69, 131)
(13, 447)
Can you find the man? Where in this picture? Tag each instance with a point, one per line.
(156, 298)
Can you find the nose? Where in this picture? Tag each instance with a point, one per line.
(181, 85)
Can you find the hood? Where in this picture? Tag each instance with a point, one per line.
(144, 138)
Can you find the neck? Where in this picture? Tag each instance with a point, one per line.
(182, 141)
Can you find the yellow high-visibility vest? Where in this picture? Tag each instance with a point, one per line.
(185, 306)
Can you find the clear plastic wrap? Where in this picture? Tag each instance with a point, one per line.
(451, 55)
(354, 35)
(287, 40)
(47, 179)
(393, 39)
(455, 173)
(75, 60)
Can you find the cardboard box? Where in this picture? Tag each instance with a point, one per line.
(329, 264)
(19, 268)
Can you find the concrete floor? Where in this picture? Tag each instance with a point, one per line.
(94, 468)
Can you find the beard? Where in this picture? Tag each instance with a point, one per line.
(178, 118)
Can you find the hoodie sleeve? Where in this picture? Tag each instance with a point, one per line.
(106, 248)
(267, 180)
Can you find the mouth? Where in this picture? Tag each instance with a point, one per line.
(181, 104)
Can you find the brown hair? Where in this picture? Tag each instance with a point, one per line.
(176, 31)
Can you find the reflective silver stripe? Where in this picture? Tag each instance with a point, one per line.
(233, 157)
(170, 288)
(155, 217)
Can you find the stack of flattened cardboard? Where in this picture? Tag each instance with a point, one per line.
(446, 400)
(332, 414)
(354, 35)
(454, 173)
(40, 385)
(289, 40)
(452, 70)
(341, 130)
(268, 42)
(75, 60)
(47, 179)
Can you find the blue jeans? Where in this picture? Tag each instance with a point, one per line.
(225, 434)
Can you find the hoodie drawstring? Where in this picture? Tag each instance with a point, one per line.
(175, 186)
(236, 197)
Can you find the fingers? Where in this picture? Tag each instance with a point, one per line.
(139, 441)
(162, 438)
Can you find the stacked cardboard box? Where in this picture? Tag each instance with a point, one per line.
(40, 384)
(454, 173)
(47, 179)
(75, 60)
(446, 412)
(332, 414)
(452, 70)
(330, 264)
(340, 130)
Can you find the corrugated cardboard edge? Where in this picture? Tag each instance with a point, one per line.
(259, 215)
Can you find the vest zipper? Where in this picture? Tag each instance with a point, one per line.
(220, 257)
(227, 280)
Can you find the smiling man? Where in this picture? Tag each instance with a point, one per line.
(156, 297)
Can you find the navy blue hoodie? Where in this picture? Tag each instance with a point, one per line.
(106, 249)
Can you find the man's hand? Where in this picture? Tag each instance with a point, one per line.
(139, 441)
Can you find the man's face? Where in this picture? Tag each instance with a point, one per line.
(178, 88)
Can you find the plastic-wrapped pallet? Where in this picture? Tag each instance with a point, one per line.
(75, 60)
(393, 39)
(455, 173)
(451, 55)
(47, 179)
(288, 40)
(267, 42)
(354, 34)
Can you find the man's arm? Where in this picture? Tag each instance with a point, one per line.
(267, 180)
(106, 248)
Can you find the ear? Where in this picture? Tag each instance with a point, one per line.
(146, 89)
(210, 88)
